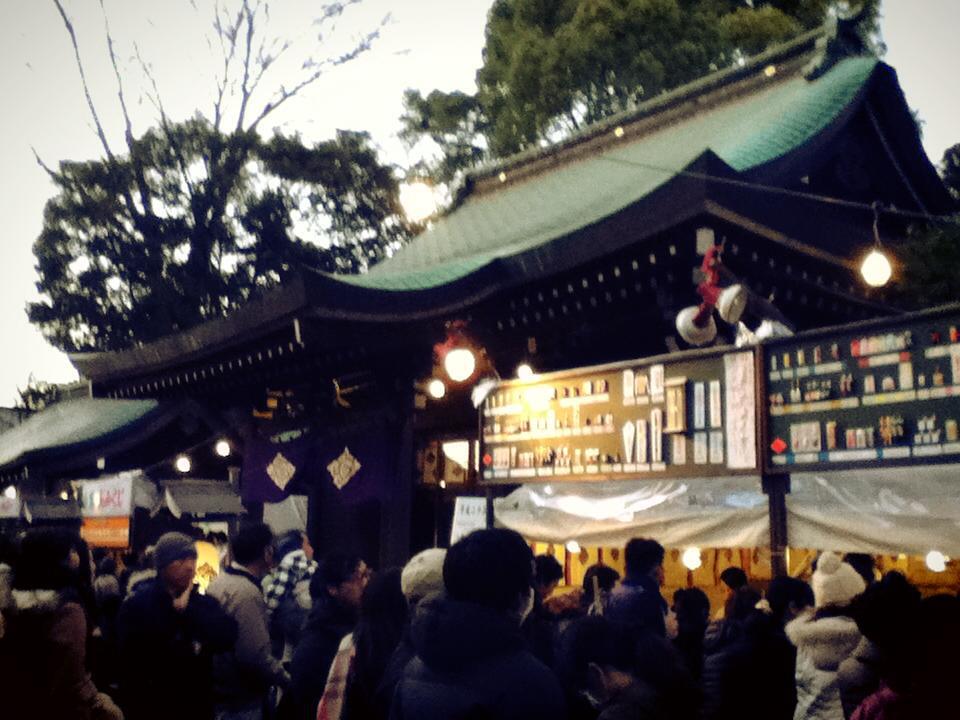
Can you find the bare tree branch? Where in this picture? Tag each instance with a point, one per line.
(157, 101)
(83, 78)
(228, 50)
(244, 86)
(49, 170)
(283, 94)
(128, 135)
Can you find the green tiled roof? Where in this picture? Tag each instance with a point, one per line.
(745, 132)
(70, 423)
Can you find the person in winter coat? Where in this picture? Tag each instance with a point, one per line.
(541, 627)
(280, 591)
(637, 601)
(825, 638)
(244, 675)
(471, 660)
(358, 669)
(421, 577)
(168, 634)
(886, 614)
(44, 648)
(336, 590)
(751, 673)
(692, 608)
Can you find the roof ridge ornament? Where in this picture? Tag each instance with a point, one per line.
(845, 36)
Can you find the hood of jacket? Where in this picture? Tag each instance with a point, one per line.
(37, 601)
(451, 635)
(826, 641)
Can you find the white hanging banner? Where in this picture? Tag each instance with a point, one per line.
(469, 514)
(741, 410)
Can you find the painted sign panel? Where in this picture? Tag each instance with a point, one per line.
(859, 395)
(112, 497)
(108, 532)
(637, 419)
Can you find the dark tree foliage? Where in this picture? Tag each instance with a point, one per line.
(551, 67)
(193, 218)
(931, 257)
(192, 223)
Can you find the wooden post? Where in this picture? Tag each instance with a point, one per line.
(776, 488)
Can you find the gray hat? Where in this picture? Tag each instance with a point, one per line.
(423, 575)
(173, 546)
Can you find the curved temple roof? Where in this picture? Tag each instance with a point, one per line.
(523, 217)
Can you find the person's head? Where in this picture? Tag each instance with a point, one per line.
(340, 578)
(175, 558)
(733, 579)
(597, 657)
(835, 583)
(492, 568)
(291, 541)
(423, 575)
(252, 547)
(788, 597)
(644, 557)
(107, 566)
(547, 574)
(606, 580)
(741, 604)
(692, 607)
(864, 565)
(48, 560)
(383, 615)
(887, 612)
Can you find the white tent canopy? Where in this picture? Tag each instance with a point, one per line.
(892, 510)
(703, 512)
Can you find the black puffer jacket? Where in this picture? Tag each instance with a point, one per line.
(327, 625)
(472, 663)
(750, 673)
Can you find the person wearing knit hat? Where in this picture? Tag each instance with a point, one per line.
(173, 546)
(835, 582)
(423, 575)
(824, 638)
(168, 634)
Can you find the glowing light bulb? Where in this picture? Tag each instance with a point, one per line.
(459, 364)
(691, 558)
(548, 489)
(10, 493)
(436, 389)
(876, 269)
(524, 371)
(183, 464)
(573, 547)
(418, 201)
(936, 561)
(222, 448)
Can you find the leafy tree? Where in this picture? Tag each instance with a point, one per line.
(192, 218)
(932, 254)
(552, 66)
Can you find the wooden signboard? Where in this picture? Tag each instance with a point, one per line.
(863, 395)
(684, 415)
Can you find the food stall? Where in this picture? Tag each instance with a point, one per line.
(842, 438)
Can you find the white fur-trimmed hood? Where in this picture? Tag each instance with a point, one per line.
(38, 601)
(827, 641)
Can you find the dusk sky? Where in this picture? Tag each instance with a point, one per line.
(426, 45)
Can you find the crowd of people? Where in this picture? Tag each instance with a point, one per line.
(475, 632)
